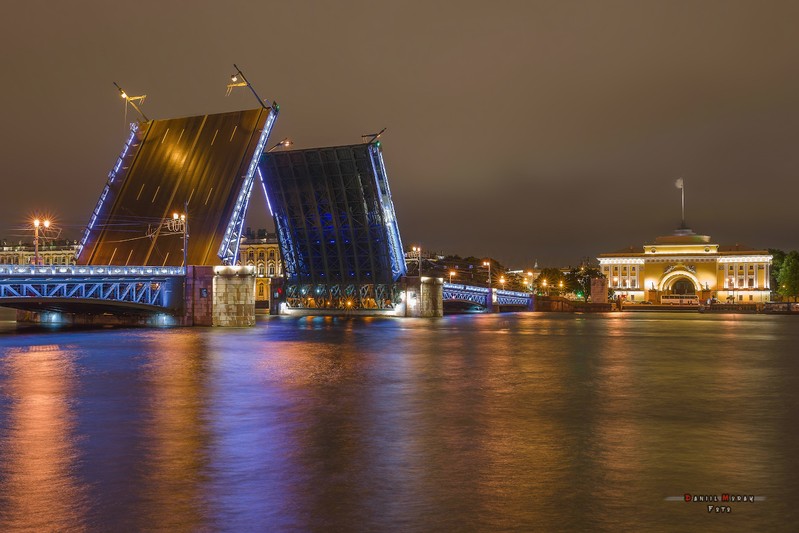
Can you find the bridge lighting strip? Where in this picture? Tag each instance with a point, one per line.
(263, 185)
(17, 270)
(389, 214)
(227, 252)
(134, 127)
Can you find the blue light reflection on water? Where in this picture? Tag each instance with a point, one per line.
(525, 421)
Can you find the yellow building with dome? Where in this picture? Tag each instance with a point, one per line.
(686, 268)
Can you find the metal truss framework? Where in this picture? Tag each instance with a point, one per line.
(322, 296)
(336, 227)
(143, 286)
(480, 295)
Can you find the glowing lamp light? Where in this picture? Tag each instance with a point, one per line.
(174, 216)
(46, 223)
(36, 222)
(123, 94)
(234, 78)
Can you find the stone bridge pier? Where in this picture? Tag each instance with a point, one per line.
(423, 297)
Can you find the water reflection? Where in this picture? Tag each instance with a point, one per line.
(514, 422)
(39, 449)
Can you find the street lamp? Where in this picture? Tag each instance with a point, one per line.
(234, 78)
(451, 273)
(502, 281)
(560, 288)
(179, 224)
(546, 292)
(132, 101)
(36, 224)
(284, 143)
(417, 251)
(488, 264)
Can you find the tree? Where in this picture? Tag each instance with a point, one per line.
(579, 280)
(549, 281)
(778, 256)
(788, 279)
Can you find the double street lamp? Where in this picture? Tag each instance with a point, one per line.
(488, 264)
(36, 224)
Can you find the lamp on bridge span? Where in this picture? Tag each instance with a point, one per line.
(488, 264)
(132, 101)
(451, 273)
(285, 143)
(234, 82)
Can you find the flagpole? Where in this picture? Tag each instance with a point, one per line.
(682, 190)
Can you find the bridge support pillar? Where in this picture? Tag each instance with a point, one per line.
(234, 296)
(424, 297)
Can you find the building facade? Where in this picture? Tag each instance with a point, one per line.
(687, 264)
(263, 253)
(23, 254)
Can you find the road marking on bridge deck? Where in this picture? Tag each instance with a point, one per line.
(212, 140)
(140, 191)
(156, 194)
(180, 136)
(234, 133)
(209, 196)
(165, 134)
(190, 196)
(128, 259)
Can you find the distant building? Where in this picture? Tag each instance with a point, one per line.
(50, 254)
(261, 251)
(685, 263)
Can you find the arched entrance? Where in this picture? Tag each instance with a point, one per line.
(683, 286)
(679, 280)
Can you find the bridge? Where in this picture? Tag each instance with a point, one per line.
(485, 299)
(337, 229)
(95, 289)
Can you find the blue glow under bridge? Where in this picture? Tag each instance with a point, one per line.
(92, 288)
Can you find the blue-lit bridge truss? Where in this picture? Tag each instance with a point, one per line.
(134, 288)
(481, 296)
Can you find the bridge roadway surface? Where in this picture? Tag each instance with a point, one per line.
(201, 160)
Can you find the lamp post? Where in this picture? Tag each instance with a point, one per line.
(451, 273)
(560, 288)
(285, 143)
(234, 78)
(36, 224)
(529, 281)
(546, 291)
(502, 281)
(179, 223)
(417, 251)
(488, 264)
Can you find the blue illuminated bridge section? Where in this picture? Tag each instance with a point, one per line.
(454, 292)
(91, 288)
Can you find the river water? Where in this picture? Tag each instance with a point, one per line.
(517, 422)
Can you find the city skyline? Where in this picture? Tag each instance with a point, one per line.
(526, 132)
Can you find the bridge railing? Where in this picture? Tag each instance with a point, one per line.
(82, 271)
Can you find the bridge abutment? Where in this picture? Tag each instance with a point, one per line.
(424, 297)
(221, 296)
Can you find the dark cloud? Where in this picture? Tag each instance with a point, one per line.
(523, 130)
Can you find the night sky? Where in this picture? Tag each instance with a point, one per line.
(520, 130)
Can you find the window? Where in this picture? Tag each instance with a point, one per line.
(272, 256)
(271, 271)
(260, 290)
(260, 269)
